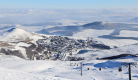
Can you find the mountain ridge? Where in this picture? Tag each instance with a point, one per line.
(99, 25)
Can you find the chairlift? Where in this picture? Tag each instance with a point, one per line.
(99, 69)
(120, 69)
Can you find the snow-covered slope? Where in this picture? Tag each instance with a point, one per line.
(128, 49)
(135, 19)
(15, 33)
(62, 70)
(13, 40)
(8, 74)
(92, 33)
(128, 33)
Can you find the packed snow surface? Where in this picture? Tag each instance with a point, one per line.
(61, 70)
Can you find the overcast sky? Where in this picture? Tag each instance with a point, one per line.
(60, 4)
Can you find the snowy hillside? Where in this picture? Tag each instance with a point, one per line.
(134, 20)
(15, 33)
(61, 70)
(127, 33)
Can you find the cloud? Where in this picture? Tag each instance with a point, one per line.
(24, 16)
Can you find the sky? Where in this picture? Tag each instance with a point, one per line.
(37, 11)
(71, 4)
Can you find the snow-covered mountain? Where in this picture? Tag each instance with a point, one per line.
(134, 20)
(15, 33)
(99, 25)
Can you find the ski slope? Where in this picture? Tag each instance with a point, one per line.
(61, 70)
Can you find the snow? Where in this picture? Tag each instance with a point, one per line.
(29, 28)
(17, 47)
(110, 42)
(108, 64)
(92, 33)
(92, 54)
(127, 33)
(7, 74)
(4, 57)
(61, 70)
(116, 42)
(16, 33)
(14, 68)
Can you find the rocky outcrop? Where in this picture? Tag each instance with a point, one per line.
(12, 52)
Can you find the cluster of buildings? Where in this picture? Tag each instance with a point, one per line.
(61, 48)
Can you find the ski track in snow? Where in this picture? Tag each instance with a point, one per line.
(7, 74)
(61, 70)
